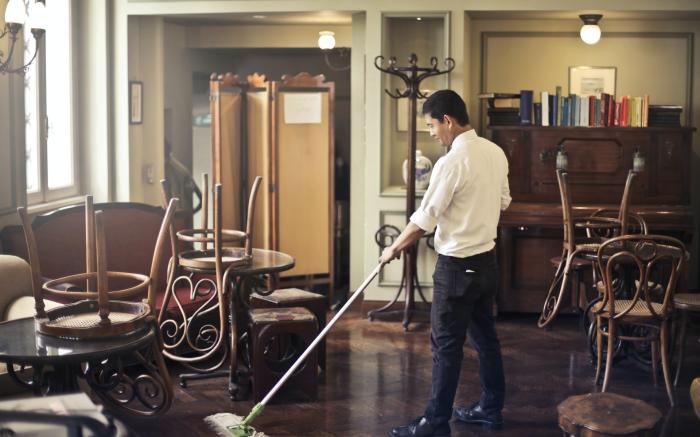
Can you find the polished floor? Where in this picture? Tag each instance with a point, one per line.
(378, 377)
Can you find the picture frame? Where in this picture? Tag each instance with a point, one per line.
(402, 114)
(592, 81)
(135, 102)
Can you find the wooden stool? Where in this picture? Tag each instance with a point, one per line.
(684, 303)
(603, 414)
(270, 329)
(295, 297)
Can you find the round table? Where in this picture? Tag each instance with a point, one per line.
(58, 363)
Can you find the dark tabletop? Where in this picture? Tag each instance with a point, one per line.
(20, 343)
(265, 261)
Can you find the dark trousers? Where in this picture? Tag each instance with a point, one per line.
(463, 292)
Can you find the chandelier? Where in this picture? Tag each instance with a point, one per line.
(15, 18)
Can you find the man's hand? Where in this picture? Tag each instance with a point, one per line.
(389, 254)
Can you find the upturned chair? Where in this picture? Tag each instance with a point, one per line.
(656, 262)
(577, 253)
(190, 336)
(100, 312)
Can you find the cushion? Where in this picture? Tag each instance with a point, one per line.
(272, 315)
(285, 295)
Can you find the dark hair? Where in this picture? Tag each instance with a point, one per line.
(446, 102)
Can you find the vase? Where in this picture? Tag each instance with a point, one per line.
(423, 169)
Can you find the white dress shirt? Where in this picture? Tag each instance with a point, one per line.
(467, 192)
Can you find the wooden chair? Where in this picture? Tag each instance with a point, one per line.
(101, 312)
(656, 262)
(598, 227)
(684, 303)
(191, 337)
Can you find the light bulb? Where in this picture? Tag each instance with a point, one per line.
(37, 16)
(15, 12)
(326, 40)
(590, 33)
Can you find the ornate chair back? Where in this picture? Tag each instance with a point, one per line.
(656, 261)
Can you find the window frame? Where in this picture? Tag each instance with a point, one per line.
(45, 195)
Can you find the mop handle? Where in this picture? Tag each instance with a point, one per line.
(322, 334)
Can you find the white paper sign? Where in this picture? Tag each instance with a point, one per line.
(302, 108)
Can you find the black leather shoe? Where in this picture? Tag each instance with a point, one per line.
(475, 414)
(420, 428)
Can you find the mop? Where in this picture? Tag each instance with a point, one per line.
(243, 429)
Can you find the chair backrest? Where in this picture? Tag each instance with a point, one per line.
(96, 267)
(566, 210)
(651, 265)
(130, 231)
(623, 212)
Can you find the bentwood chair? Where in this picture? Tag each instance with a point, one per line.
(102, 312)
(579, 251)
(190, 336)
(654, 263)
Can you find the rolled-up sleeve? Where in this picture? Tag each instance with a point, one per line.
(443, 182)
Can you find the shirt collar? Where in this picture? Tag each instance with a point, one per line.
(463, 139)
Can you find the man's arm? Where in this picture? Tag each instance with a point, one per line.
(408, 237)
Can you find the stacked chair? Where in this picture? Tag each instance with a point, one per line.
(99, 312)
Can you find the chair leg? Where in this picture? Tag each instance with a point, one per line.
(599, 346)
(681, 346)
(654, 359)
(609, 357)
(553, 301)
(664, 361)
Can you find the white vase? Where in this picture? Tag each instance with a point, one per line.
(423, 169)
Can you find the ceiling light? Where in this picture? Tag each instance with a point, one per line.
(326, 40)
(259, 17)
(590, 32)
(419, 18)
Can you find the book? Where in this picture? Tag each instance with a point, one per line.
(526, 107)
(560, 103)
(544, 99)
(553, 110)
(538, 113)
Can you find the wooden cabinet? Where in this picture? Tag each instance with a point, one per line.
(530, 231)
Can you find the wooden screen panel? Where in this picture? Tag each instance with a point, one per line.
(259, 163)
(303, 184)
(228, 169)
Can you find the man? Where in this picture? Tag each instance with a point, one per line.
(468, 190)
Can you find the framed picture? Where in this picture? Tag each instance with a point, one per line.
(402, 114)
(592, 81)
(135, 102)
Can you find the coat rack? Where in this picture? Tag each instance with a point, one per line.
(412, 75)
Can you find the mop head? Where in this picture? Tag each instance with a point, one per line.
(221, 423)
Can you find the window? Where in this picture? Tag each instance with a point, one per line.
(52, 158)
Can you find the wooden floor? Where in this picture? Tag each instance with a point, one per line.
(378, 377)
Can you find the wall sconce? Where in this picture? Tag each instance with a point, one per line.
(638, 161)
(15, 17)
(562, 158)
(590, 32)
(326, 42)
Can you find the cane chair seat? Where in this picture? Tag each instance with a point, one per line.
(639, 308)
(286, 295)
